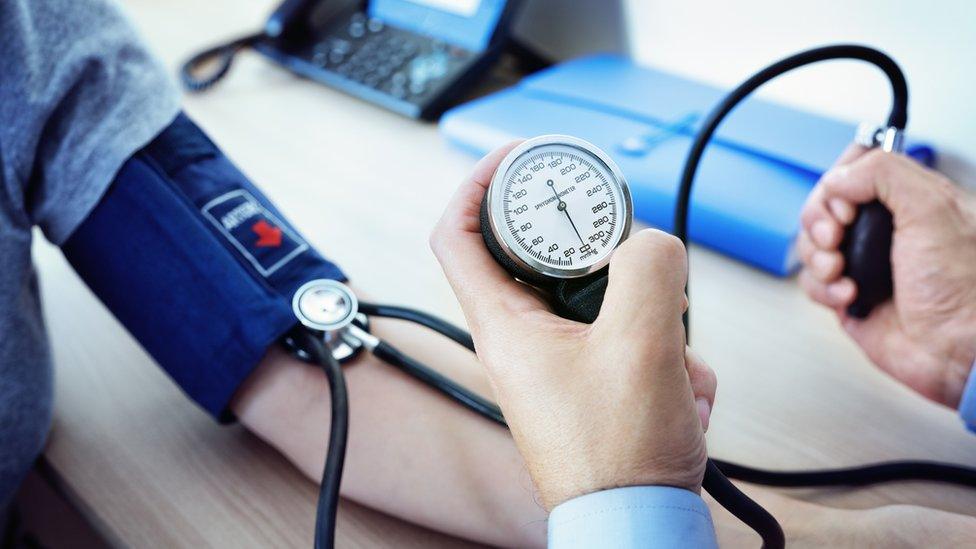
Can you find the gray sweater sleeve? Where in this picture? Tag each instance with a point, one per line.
(79, 94)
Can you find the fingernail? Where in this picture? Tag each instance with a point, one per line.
(704, 412)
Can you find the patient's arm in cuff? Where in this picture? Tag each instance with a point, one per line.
(411, 452)
(179, 226)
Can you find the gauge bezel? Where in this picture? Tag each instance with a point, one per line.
(504, 238)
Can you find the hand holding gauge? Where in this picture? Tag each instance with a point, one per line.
(525, 233)
(556, 209)
(578, 431)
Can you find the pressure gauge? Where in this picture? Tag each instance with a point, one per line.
(557, 207)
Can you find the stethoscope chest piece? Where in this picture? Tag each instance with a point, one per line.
(325, 305)
(329, 307)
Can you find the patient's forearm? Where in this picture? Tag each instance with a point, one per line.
(411, 452)
(416, 455)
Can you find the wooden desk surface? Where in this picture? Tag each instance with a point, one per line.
(153, 470)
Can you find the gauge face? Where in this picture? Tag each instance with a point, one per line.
(559, 206)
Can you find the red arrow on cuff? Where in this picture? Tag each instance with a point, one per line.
(269, 236)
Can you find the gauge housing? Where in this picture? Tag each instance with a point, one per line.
(501, 242)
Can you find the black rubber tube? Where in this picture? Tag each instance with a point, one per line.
(865, 475)
(898, 116)
(439, 382)
(328, 504)
(441, 326)
(743, 507)
(725, 492)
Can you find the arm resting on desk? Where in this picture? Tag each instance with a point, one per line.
(411, 453)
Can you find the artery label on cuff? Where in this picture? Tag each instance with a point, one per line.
(260, 237)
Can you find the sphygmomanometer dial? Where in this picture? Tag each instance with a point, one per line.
(558, 206)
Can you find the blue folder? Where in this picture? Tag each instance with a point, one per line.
(751, 184)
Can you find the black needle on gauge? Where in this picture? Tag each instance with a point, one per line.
(561, 206)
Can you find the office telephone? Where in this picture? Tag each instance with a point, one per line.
(410, 56)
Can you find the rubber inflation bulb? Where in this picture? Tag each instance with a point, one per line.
(867, 258)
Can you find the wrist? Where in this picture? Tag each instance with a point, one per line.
(959, 363)
(558, 488)
(962, 354)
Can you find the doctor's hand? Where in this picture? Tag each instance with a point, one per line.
(926, 336)
(621, 402)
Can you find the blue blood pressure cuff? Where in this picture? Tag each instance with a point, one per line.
(196, 263)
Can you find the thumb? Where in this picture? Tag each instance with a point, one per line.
(645, 295)
(897, 181)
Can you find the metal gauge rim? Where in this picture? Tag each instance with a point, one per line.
(497, 186)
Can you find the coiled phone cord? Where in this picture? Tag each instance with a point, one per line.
(328, 504)
(222, 55)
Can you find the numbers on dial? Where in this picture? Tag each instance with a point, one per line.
(560, 207)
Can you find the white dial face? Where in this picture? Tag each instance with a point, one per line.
(559, 206)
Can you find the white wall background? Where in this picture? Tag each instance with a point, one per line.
(934, 41)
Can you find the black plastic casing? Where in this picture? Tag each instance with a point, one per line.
(577, 299)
